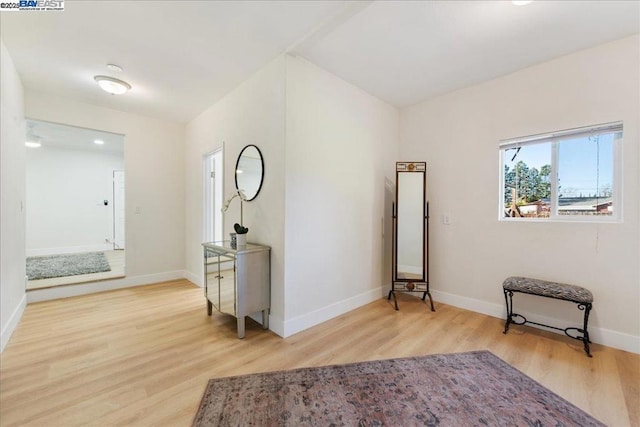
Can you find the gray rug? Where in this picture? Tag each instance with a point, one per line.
(46, 267)
(463, 389)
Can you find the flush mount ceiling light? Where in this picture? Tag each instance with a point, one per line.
(112, 85)
(98, 141)
(521, 2)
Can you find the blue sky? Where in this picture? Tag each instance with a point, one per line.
(584, 164)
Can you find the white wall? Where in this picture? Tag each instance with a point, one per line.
(154, 168)
(341, 144)
(65, 193)
(253, 113)
(458, 134)
(327, 148)
(12, 182)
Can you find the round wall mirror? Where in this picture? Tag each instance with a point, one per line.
(249, 171)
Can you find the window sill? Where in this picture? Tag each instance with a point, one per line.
(574, 220)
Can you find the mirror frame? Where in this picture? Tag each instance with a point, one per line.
(417, 168)
(261, 170)
(411, 284)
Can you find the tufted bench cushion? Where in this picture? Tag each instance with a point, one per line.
(544, 288)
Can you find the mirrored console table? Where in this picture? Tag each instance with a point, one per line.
(237, 280)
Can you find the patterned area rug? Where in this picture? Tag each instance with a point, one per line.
(463, 389)
(46, 267)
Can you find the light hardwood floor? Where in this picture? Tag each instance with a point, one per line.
(114, 258)
(142, 356)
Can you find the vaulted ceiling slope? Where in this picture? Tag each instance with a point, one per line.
(183, 56)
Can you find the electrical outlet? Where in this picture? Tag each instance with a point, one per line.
(445, 219)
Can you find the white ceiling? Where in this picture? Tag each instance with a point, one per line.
(179, 56)
(406, 52)
(183, 56)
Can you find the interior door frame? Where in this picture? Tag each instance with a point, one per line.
(116, 206)
(213, 185)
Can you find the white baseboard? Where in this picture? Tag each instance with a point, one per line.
(276, 325)
(300, 323)
(287, 328)
(196, 280)
(11, 325)
(479, 306)
(69, 250)
(597, 335)
(101, 286)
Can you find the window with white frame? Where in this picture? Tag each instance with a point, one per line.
(566, 175)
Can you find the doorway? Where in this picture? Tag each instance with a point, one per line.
(212, 212)
(74, 208)
(118, 210)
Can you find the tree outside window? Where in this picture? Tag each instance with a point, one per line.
(564, 175)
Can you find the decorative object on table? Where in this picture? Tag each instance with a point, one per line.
(475, 388)
(410, 239)
(241, 195)
(46, 267)
(241, 234)
(240, 229)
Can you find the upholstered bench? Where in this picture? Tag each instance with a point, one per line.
(561, 291)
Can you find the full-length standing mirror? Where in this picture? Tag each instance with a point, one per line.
(410, 250)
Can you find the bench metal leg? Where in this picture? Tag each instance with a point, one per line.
(585, 332)
(518, 319)
(508, 299)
